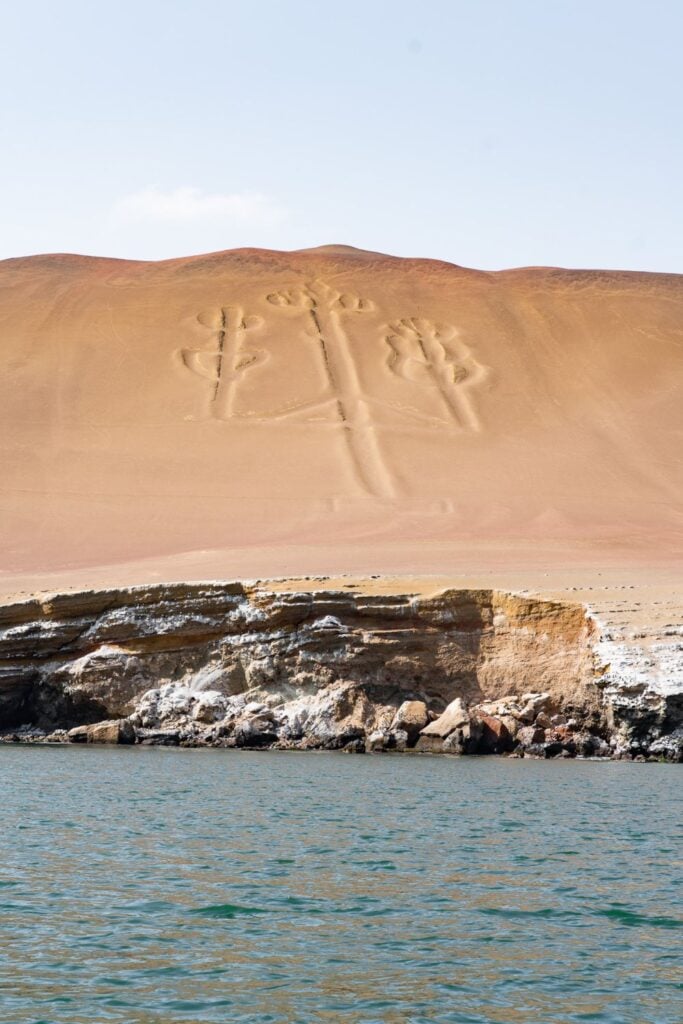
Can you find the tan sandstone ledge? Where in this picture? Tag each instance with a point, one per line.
(334, 663)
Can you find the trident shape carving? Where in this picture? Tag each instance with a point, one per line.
(325, 308)
(425, 353)
(226, 361)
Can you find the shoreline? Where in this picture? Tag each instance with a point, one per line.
(24, 740)
(361, 665)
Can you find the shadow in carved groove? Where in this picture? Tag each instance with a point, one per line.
(429, 355)
(325, 309)
(225, 363)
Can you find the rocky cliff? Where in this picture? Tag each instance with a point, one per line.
(250, 664)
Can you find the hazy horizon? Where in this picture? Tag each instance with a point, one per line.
(335, 245)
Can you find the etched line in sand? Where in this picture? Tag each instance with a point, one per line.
(432, 355)
(423, 352)
(325, 308)
(226, 361)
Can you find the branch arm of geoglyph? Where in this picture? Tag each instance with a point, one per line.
(283, 413)
(195, 359)
(317, 295)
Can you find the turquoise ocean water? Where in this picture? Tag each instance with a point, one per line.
(160, 885)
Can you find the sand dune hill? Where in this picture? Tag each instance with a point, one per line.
(254, 403)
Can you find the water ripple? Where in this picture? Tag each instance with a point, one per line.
(161, 885)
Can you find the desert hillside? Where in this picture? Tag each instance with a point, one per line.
(258, 403)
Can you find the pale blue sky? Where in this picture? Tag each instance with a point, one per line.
(490, 133)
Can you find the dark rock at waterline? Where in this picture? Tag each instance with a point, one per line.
(495, 736)
(255, 732)
(530, 736)
(159, 737)
(430, 745)
(354, 747)
(466, 739)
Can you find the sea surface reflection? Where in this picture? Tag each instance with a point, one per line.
(141, 885)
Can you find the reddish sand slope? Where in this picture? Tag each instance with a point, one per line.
(240, 411)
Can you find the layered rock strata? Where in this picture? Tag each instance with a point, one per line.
(251, 665)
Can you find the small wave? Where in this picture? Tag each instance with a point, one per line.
(149, 906)
(226, 910)
(544, 912)
(633, 919)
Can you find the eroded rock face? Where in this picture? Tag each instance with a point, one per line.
(245, 665)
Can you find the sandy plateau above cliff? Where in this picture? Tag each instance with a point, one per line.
(253, 413)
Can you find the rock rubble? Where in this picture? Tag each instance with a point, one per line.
(244, 665)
